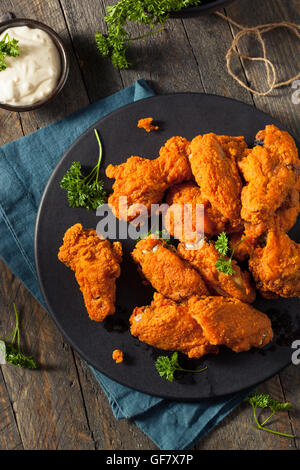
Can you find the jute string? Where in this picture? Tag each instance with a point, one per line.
(258, 31)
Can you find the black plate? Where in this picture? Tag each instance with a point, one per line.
(185, 114)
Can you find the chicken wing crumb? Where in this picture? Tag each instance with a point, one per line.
(146, 123)
(118, 356)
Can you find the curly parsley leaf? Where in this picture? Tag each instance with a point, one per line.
(161, 234)
(222, 244)
(85, 191)
(167, 366)
(149, 12)
(13, 354)
(263, 400)
(17, 358)
(223, 264)
(8, 47)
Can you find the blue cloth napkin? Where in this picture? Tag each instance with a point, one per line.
(25, 167)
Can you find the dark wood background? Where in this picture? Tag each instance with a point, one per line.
(61, 406)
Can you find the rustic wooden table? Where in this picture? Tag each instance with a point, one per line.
(61, 406)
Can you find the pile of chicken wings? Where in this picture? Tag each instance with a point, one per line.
(249, 193)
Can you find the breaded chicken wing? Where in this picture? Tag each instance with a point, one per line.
(204, 261)
(144, 181)
(168, 325)
(243, 250)
(234, 147)
(215, 170)
(166, 271)
(181, 218)
(230, 322)
(276, 267)
(96, 264)
(271, 197)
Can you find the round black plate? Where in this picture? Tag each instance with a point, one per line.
(186, 114)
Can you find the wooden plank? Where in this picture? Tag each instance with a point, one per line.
(282, 47)
(83, 20)
(157, 58)
(10, 126)
(47, 402)
(236, 431)
(290, 380)
(108, 433)
(160, 58)
(210, 39)
(9, 434)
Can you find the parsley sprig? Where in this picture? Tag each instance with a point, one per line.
(167, 366)
(222, 246)
(149, 12)
(8, 47)
(263, 400)
(85, 191)
(161, 234)
(13, 354)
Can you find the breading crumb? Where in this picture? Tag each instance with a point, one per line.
(117, 356)
(146, 123)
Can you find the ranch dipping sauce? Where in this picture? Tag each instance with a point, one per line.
(33, 75)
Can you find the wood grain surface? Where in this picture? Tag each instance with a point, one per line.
(60, 405)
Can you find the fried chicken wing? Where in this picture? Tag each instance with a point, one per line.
(204, 261)
(144, 181)
(276, 267)
(96, 264)
(283, 219)
(181, 218)
(270, 198)
(230, 322)
(243, 250)
(166, 271)
(215, 170)
(168, 325)
(234, 147)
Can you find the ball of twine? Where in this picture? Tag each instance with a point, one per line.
(258, 31)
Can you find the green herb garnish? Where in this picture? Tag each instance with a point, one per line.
(166, 366)
(222, 246)
(263, 400)
(161, 234)
(8, 47)
(13, 355)
(149, 12)
(85, 191)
